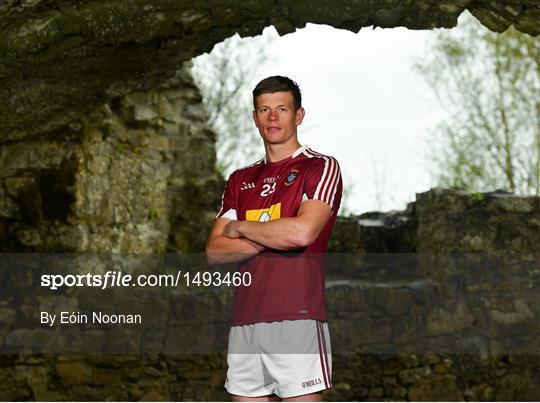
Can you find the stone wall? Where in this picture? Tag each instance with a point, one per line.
(134, 175)
(450, 286)
(446, 221)
(418, 312)
(119, 179)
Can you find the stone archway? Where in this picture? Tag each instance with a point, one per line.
(97, 117)
(86, 87)
(59, 60)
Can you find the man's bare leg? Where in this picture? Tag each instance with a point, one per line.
(269, 398)
(312, 397)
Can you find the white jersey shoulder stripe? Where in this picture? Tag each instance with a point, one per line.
(330, 180)
(331, 187)
(334, 185)
(328, 184)
(310, 154)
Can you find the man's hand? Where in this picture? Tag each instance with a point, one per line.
(285, 233)
(221, 249)
(231, 230)
(232, 240)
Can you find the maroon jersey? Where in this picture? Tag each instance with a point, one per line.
(284, 285)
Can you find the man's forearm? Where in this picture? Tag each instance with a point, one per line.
(287, 233)
(222, 250)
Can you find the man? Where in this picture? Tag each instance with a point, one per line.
(285, 202)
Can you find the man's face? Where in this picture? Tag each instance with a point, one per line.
(275, 117)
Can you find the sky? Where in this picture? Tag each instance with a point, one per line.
(365, 105)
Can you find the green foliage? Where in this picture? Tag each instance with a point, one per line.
(489, 85)
(416, 242)
(477, 197)
(153, 214)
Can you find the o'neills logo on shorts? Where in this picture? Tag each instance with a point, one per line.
(311, 382)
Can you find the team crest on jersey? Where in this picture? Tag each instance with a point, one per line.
(291, 177)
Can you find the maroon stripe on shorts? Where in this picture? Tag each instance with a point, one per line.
(329, 375)
(321, 354)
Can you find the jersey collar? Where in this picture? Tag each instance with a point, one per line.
(299, 151)
(295, 154)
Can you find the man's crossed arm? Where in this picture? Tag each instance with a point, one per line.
(231, 241)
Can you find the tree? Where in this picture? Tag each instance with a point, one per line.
(489, 85)
(225, 78)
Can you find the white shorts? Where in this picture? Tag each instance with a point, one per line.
(288, 358)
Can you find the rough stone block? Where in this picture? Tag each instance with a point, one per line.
(440, 321)
(435, 389)
(74, 372)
